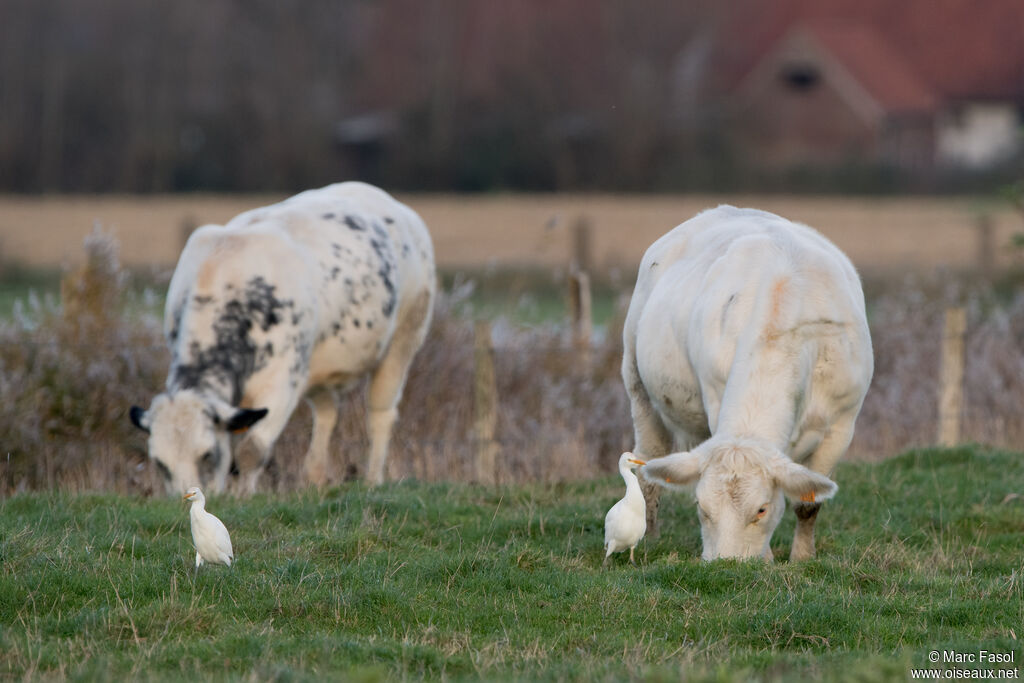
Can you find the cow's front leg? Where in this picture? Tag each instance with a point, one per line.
(325, 414)
(256, 446)
(803, 538)
(823, 461)
(249, 459)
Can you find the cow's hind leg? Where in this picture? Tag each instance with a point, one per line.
(388, 382)
(822, 461)
(651, 438)
(324, 405)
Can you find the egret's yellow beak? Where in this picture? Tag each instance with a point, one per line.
(637, 462)
(187, 496)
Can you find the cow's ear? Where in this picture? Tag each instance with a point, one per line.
(139, 418)
(243, 419)
(800, 483)
(680, 469)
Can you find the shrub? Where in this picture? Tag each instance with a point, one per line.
(68, 373)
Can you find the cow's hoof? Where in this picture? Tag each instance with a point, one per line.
(317, 477)
(799, 555)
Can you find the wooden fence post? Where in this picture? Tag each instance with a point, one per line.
(952, 377)
(187, 226)
(582, 245)
(582, 319)
(485, 404)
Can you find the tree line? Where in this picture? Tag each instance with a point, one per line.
(151, 96)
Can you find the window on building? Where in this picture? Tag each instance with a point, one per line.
(800, 76)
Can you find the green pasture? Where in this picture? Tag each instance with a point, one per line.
(431, 581)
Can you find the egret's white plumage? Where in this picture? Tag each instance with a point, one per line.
(210, 536)
(626, 522)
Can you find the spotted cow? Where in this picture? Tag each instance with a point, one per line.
(747, 351)
(297, 299)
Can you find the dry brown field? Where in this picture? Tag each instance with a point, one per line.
(477, 231)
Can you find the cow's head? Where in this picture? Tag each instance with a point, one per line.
(741, 490)
(190, 437)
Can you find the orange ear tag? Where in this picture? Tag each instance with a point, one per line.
(807, 497)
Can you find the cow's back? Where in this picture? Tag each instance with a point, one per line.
(712, 291)
(324, 277)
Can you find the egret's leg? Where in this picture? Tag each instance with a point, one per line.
(632, 560)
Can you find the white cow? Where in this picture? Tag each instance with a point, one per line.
(307, 295)
(747, 348)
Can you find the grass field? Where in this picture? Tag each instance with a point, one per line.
(441, 581)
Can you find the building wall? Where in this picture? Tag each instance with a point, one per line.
(785, 125)
(978, 135)
(908, 142)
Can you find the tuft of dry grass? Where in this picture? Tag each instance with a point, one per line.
(68, 374)
(69, 371)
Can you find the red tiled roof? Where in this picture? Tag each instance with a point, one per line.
(885, 73)
(959, 49)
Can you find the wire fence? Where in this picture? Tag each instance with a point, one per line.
(553, 407)
(64, 402)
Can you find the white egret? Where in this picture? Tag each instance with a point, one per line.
(626, 522)
(210, 536)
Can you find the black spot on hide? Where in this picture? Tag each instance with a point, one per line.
(355, 223)
(172, 336)
(382, 248)
(234, 355)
